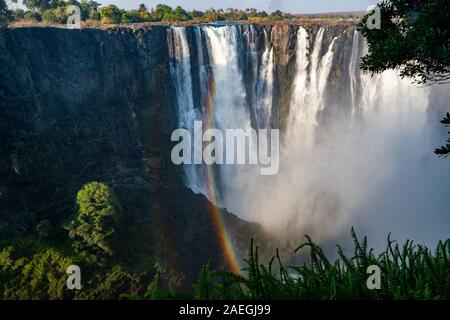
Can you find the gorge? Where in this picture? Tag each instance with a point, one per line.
(356, 149)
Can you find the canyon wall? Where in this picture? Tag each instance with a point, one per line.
(100, 105)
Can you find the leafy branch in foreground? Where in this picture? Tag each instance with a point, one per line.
(407, 272)
(444, 151)
(413, 37)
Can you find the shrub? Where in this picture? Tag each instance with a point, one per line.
(35, 16)
(18, 14)
(110, 14)
(94, 15)
(97, 215)
(131, 16)
(49, 16)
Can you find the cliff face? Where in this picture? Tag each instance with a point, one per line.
(80, 106)
(99, 105)
(90, 105)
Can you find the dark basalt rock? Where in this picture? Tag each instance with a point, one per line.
(84, 105)
(93, 105)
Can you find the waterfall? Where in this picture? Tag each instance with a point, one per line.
(180, 68)
(350, 136)
(264, 86)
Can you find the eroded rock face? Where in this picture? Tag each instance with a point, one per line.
(91, 105)
(84, 105)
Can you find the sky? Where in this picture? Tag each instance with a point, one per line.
(291, 6)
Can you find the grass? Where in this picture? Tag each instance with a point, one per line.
(410, 272)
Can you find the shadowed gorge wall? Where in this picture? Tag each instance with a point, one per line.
(84, 105)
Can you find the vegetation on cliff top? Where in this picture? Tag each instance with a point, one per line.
(92, 13)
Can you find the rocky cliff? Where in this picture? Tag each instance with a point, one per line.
(99, 105)
(94, 105)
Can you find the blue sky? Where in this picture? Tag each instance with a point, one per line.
(292, 6)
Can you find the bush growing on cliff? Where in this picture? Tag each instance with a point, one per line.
(49, 16)
(97, 216)
(18, 15)
(110, 14)
(131, 16)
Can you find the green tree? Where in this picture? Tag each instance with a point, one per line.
(414, 37)
(30, 15)
(4, 13)
(142, 7)
(131, 16)
(37, 5)
(276, 15)
(143, 13)
(110, 14)
(212, 15)
(94, 15)
(97, 215)
(196, 14)
(444, 151)
(163, 12)
(49, 16)
(87, 7)
(180, 14)
(18, 14)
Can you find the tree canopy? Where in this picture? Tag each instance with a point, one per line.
(4, 13)
(414, 37)
(54, 12)
(97, 215)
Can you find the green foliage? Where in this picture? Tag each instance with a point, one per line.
(33, 270)
(444, 151)
(97, 215)
(276, 15)
(195, 14)
(131, 16)
(414, 37)
(179, 14)
(110, 14)
(49, 16)
(36, 5)
(94, 15)
(18, 14)
(408, 272)
(163, 12)
(35, 16)
(5, 14)
(44, 229)
(211, 15)
(88, 9)
(30, 269)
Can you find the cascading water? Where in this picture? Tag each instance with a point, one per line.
(180, 68)
(350, 137)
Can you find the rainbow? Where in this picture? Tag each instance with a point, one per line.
(222, 232)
